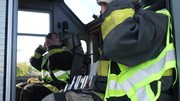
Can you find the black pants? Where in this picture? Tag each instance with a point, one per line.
(19, 88)
(31, 92)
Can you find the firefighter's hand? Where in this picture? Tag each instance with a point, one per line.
(42, 47)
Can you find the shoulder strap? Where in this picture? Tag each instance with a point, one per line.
(59, 84)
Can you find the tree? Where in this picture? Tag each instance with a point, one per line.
(25, 69)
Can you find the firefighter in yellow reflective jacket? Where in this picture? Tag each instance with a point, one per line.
(54, 61)
(139, 43)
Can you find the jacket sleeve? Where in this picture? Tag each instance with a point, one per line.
(60, 59)
(36, 59)
(136, 39)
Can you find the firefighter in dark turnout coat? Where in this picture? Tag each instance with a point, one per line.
(54, 61)
(139, 43)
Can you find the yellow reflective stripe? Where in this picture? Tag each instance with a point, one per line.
(122, 67)
(158, 92)
(60, 75)
(146, 79)
(44, 60)
(145, 93)
(44, 73)
(146, 7)
(115, 18)
(175, 77)
(154, 76)
(134, 98)
(112, 92)
(142, 94)
(166, 12)
(136, 81)
(149, 92)
(53, 51)
(113, 77)
(51, 87)
(115, 93)
(100, 51)
(169, 50)
(37, 55)
(168, 72)
(63, 77)
(103, 67)
(99, 95)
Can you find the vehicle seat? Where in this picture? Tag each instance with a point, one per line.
(78, 52)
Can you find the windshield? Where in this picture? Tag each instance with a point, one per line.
(84, 9)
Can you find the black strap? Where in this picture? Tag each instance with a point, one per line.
(59, 84)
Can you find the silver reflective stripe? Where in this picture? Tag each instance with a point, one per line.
(114, 85)
(68, 71)
(142, 74)
(44, 73)
(59, 73)
(141, 94)
(56, 74)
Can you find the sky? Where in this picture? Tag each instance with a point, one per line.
(84, 9)
(26, 44)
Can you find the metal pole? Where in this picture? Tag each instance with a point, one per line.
(11, 43)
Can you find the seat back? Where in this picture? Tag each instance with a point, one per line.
(78, 52)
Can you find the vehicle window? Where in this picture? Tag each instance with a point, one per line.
(25, 49)
(33, 22)
(32, 27)
(84, 9)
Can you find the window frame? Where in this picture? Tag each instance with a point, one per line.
(35, 34)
